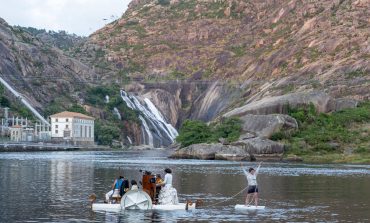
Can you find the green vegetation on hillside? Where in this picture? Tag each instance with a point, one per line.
(342, 136)
(4, 102)
(107, 127)
(110, 128)
(77, 108)
(16, 106)
(194, 131)
(96, 95)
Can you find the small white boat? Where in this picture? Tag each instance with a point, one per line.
(118, 207)
(139, 200)
(248, 207)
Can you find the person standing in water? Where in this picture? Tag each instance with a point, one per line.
(168, 194)
(251, 175)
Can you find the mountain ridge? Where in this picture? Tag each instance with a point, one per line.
(313, 45)
(194, 59)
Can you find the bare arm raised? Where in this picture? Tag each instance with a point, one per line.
(244, 170)
(258, 168)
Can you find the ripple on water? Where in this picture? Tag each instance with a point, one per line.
(58, 184)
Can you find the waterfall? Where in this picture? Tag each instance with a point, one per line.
(129, 139)
(116, 112)
(157, 131)
(147, 131)
(172, 132)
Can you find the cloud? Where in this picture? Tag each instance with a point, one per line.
(74, 16)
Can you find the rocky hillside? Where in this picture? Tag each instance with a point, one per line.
(197, 59)
(41, 72)
(60, 39)
(265, 47)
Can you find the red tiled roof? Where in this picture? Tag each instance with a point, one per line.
(67, 114)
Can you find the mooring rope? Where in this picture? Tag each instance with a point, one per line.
(227, 198)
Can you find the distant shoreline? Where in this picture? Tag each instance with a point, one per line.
(35, 147)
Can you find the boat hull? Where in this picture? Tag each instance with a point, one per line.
(248, 207)
(117, 207)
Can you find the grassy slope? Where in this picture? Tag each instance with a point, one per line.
(340, 137)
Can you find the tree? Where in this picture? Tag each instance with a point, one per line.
(77, 108)
(193, 132)
(105, 133)
(229, 129)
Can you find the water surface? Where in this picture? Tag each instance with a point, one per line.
(54, 187)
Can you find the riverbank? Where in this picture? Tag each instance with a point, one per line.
(38, 147)
(337, 137)
(329, 159)
(238, 155)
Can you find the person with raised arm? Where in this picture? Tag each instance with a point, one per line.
(251, 175)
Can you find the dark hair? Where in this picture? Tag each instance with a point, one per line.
(133, 182)
(250, 169)
(168, 170)
(120, 177)
(159, 176)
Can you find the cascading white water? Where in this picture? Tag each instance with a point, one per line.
(171, 130)
(116, 112)
(151, 118)
(125, 97)
(129, 140)
(148, 132)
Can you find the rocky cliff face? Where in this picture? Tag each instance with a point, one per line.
(273, 47)
(60, 39)
(201, 58)
(39, 71)
(180, 100)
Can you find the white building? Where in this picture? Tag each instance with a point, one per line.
(15, 133)
(73, 127)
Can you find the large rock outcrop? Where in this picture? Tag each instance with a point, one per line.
(213, 101)
(280, 104)
(345, 103)
(261, 147)
(266, 125)
(200, 151)
(249, 149)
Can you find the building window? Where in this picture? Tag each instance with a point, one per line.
(81, 131)
(56, 120)
(56, 131)
(89, 131)
(56, 126)
(66, 119)
(85, 131)
(66, 126)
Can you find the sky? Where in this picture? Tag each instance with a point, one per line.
(81, 17)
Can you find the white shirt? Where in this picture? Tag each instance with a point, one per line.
(251, 178)
(168, 179)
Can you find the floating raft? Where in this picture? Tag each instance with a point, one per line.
(139, 200)
(118, 207)
(248, 207)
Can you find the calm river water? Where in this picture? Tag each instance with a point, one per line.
(54, 187)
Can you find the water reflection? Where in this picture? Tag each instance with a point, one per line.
(54, 186)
